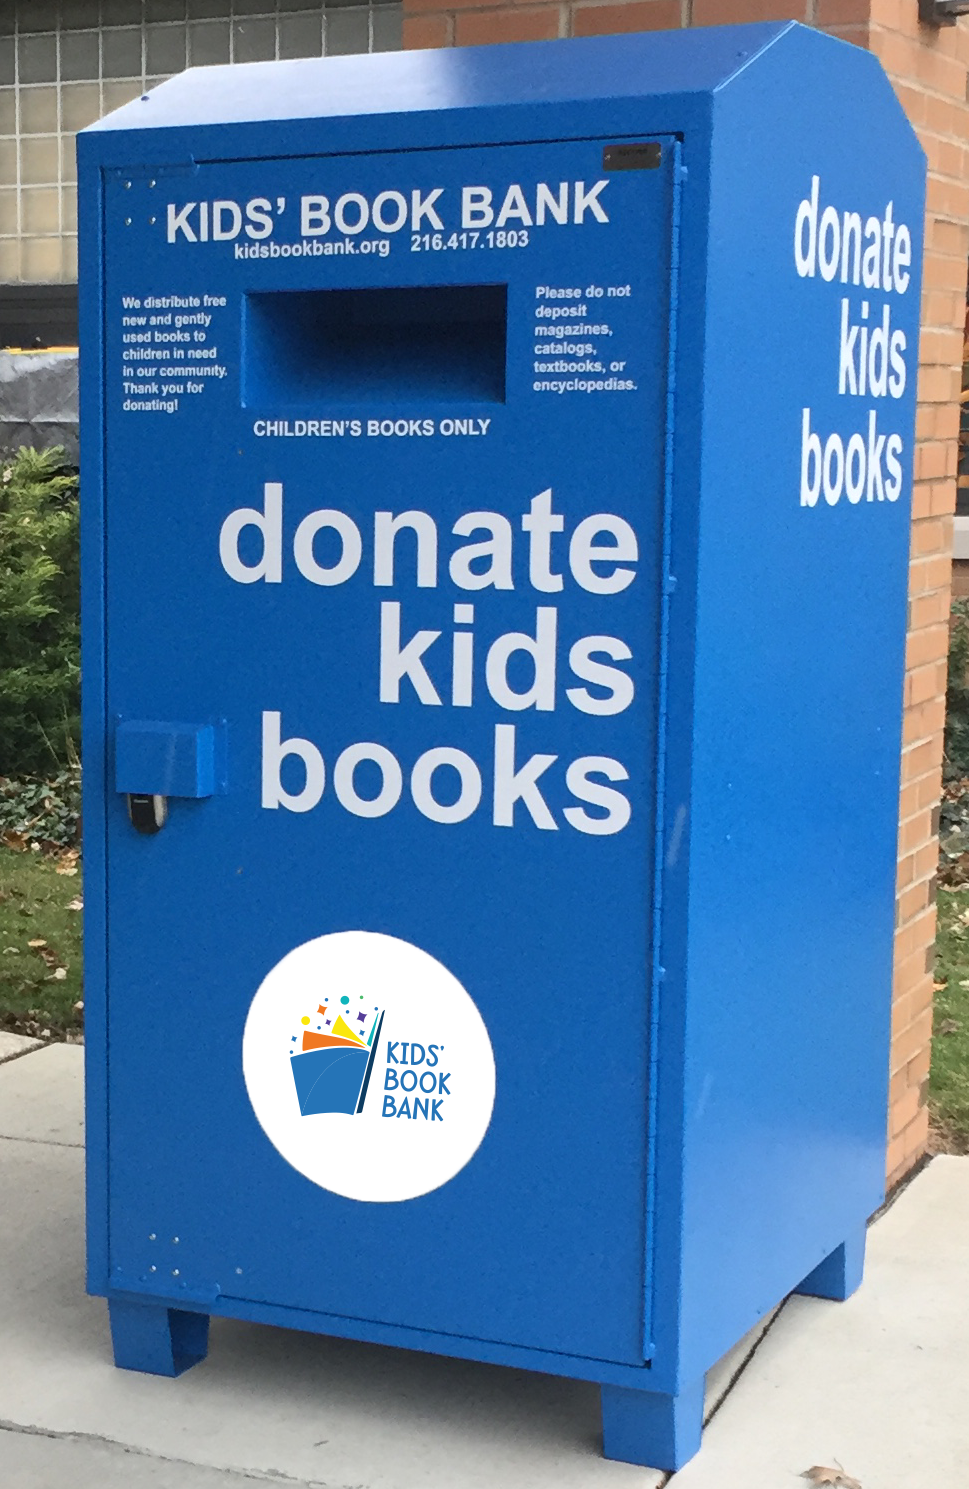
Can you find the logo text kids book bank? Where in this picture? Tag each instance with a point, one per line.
(391, 1076)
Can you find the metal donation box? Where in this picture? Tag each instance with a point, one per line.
(496, 480)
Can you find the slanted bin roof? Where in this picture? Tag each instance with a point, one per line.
(642, 65)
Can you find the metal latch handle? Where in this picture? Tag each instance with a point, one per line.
(148, 814)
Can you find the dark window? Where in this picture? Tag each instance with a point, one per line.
(38, 315)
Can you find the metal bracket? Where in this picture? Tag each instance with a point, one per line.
(942, 12)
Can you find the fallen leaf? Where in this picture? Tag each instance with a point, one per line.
(819, 1474)
(14, 840)
(64, 868)
(948, 1026)
(76, 903)
(938, 986)
(60, 974)
(11, 951)
(36, 942)
(78, 1007)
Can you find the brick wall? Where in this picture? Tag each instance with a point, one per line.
(929, 69)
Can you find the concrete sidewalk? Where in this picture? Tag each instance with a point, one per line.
(879, 1384)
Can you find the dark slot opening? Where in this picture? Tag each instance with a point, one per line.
(429, 344)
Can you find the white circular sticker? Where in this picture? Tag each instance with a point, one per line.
(368, 1066)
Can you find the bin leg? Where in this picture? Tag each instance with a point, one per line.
(840, 1274)
(156, 1339)
(651, 1429)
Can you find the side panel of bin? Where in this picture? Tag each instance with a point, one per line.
(366, 728)
(787, 862)
(93, 713)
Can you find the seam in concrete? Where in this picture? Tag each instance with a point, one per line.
(97, 1439)
(39, 1142)
(19, 1054)
(741, 1367)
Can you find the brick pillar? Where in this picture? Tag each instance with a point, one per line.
(928, 67)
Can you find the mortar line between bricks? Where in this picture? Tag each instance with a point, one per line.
(40, 1142)
(97, 1439)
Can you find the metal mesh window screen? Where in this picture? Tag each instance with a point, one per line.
(63, 65)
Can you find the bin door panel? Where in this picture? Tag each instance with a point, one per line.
(385, 470)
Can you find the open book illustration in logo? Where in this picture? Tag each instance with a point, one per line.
(332, 1071)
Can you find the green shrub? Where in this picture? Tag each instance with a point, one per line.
(39, 628)
(41, 813)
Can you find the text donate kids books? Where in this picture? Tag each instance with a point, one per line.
(332, 1072)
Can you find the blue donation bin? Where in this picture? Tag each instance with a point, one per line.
(496, 472)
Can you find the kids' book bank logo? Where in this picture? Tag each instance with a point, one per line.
(332, 1068)
(391, 1077)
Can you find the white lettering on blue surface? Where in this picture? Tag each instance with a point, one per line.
(872, 254)
(349, 214)
(457, 663)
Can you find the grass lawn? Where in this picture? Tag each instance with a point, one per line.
(40, 983)
(949, 1081)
